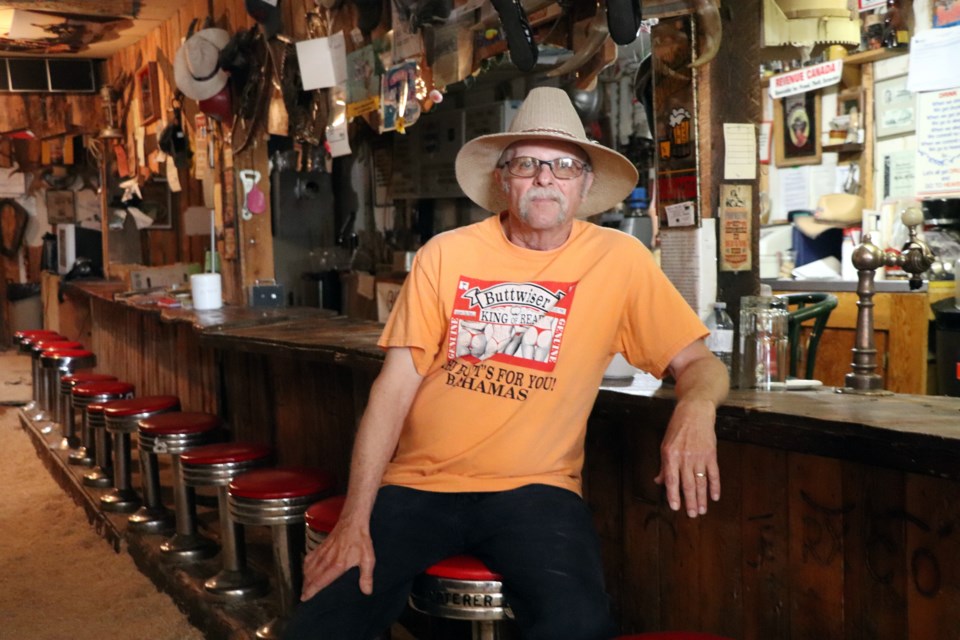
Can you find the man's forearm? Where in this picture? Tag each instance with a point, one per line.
(704, 379)
(390, 398)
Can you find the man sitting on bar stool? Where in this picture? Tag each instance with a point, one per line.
(469, 449)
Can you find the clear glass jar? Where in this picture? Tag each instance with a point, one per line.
(764, 342)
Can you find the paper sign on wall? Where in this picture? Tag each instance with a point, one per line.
(323, 61)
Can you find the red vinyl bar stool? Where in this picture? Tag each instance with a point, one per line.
(279, 498)
(462, 588)
(122, 418)
(41, 408)
(56, 363)
(24, 341)
(68, 418)
(215, 465)
(321, 518)
(95, 449)
(175, 433)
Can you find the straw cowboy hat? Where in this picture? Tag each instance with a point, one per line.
(546, 114)
(196, 67)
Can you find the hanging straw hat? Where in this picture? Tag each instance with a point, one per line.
(546, 114)
(196, 67)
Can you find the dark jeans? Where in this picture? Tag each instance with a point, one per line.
(539, 538)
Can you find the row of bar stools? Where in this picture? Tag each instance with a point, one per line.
(121, 420)
(74, 436)
(462, 588)
(89, 398)
(278, 498)
(216, 465)
(55, 364)
(176, 433)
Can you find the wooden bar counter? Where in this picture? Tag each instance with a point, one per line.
(840, 515)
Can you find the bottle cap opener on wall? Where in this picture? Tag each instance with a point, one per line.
(254, 201)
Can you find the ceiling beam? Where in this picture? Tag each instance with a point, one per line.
(113, 8)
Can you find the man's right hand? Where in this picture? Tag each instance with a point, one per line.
(346, 547)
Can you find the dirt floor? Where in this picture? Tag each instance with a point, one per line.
(58, 578)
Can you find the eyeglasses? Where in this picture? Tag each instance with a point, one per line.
(562, 168)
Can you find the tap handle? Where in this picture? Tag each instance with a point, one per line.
(912, 217)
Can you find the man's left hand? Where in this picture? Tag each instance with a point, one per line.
(688, 457)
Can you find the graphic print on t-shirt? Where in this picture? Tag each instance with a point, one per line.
(518, 323)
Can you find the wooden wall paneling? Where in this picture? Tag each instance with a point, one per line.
(933, 563)
(721, 574)
(816, 513)
(874, 554)
(644, 523)
(766, 542)
(681, 551)
(907, 364)
(294, 410)
(331, 444)
(603, 491)
(248, 396)
(255, 234)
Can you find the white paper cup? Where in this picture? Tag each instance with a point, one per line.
(206, 291)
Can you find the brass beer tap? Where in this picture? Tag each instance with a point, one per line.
(915, 258)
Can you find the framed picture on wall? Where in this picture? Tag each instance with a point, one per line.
(148, 90)
(61, 206)
(895, 107)
(796, 129)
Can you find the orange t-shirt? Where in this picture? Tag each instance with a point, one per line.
(513, 344)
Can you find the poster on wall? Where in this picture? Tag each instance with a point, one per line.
(674, 106)
(938, 145)
(796, 125)
(895, 107)
(735, 222)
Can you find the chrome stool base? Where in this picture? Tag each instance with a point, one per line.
(188, 548)
(98, 478)
(237, 585)
(151, 520)
(273, 630)
(80, 457)
(120, 501)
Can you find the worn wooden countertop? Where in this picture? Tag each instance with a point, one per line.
(911, 432)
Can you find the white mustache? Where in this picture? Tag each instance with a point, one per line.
(537, 193)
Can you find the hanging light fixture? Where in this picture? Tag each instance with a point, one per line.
(110, 130)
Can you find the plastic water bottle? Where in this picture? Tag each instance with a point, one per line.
(720, 340)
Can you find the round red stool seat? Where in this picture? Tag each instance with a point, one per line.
(279, 498)
(42, 346)
(73, 379)
(281, 484)
(216, 465)
(180, 423)
(462, 567)
(104, 388)
(462, 588)
(321, 517)
(124, 414)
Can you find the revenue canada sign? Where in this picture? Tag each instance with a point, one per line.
(806, 79)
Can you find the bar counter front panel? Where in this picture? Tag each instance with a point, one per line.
(840, 515)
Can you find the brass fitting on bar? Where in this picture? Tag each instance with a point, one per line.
(915, 258)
